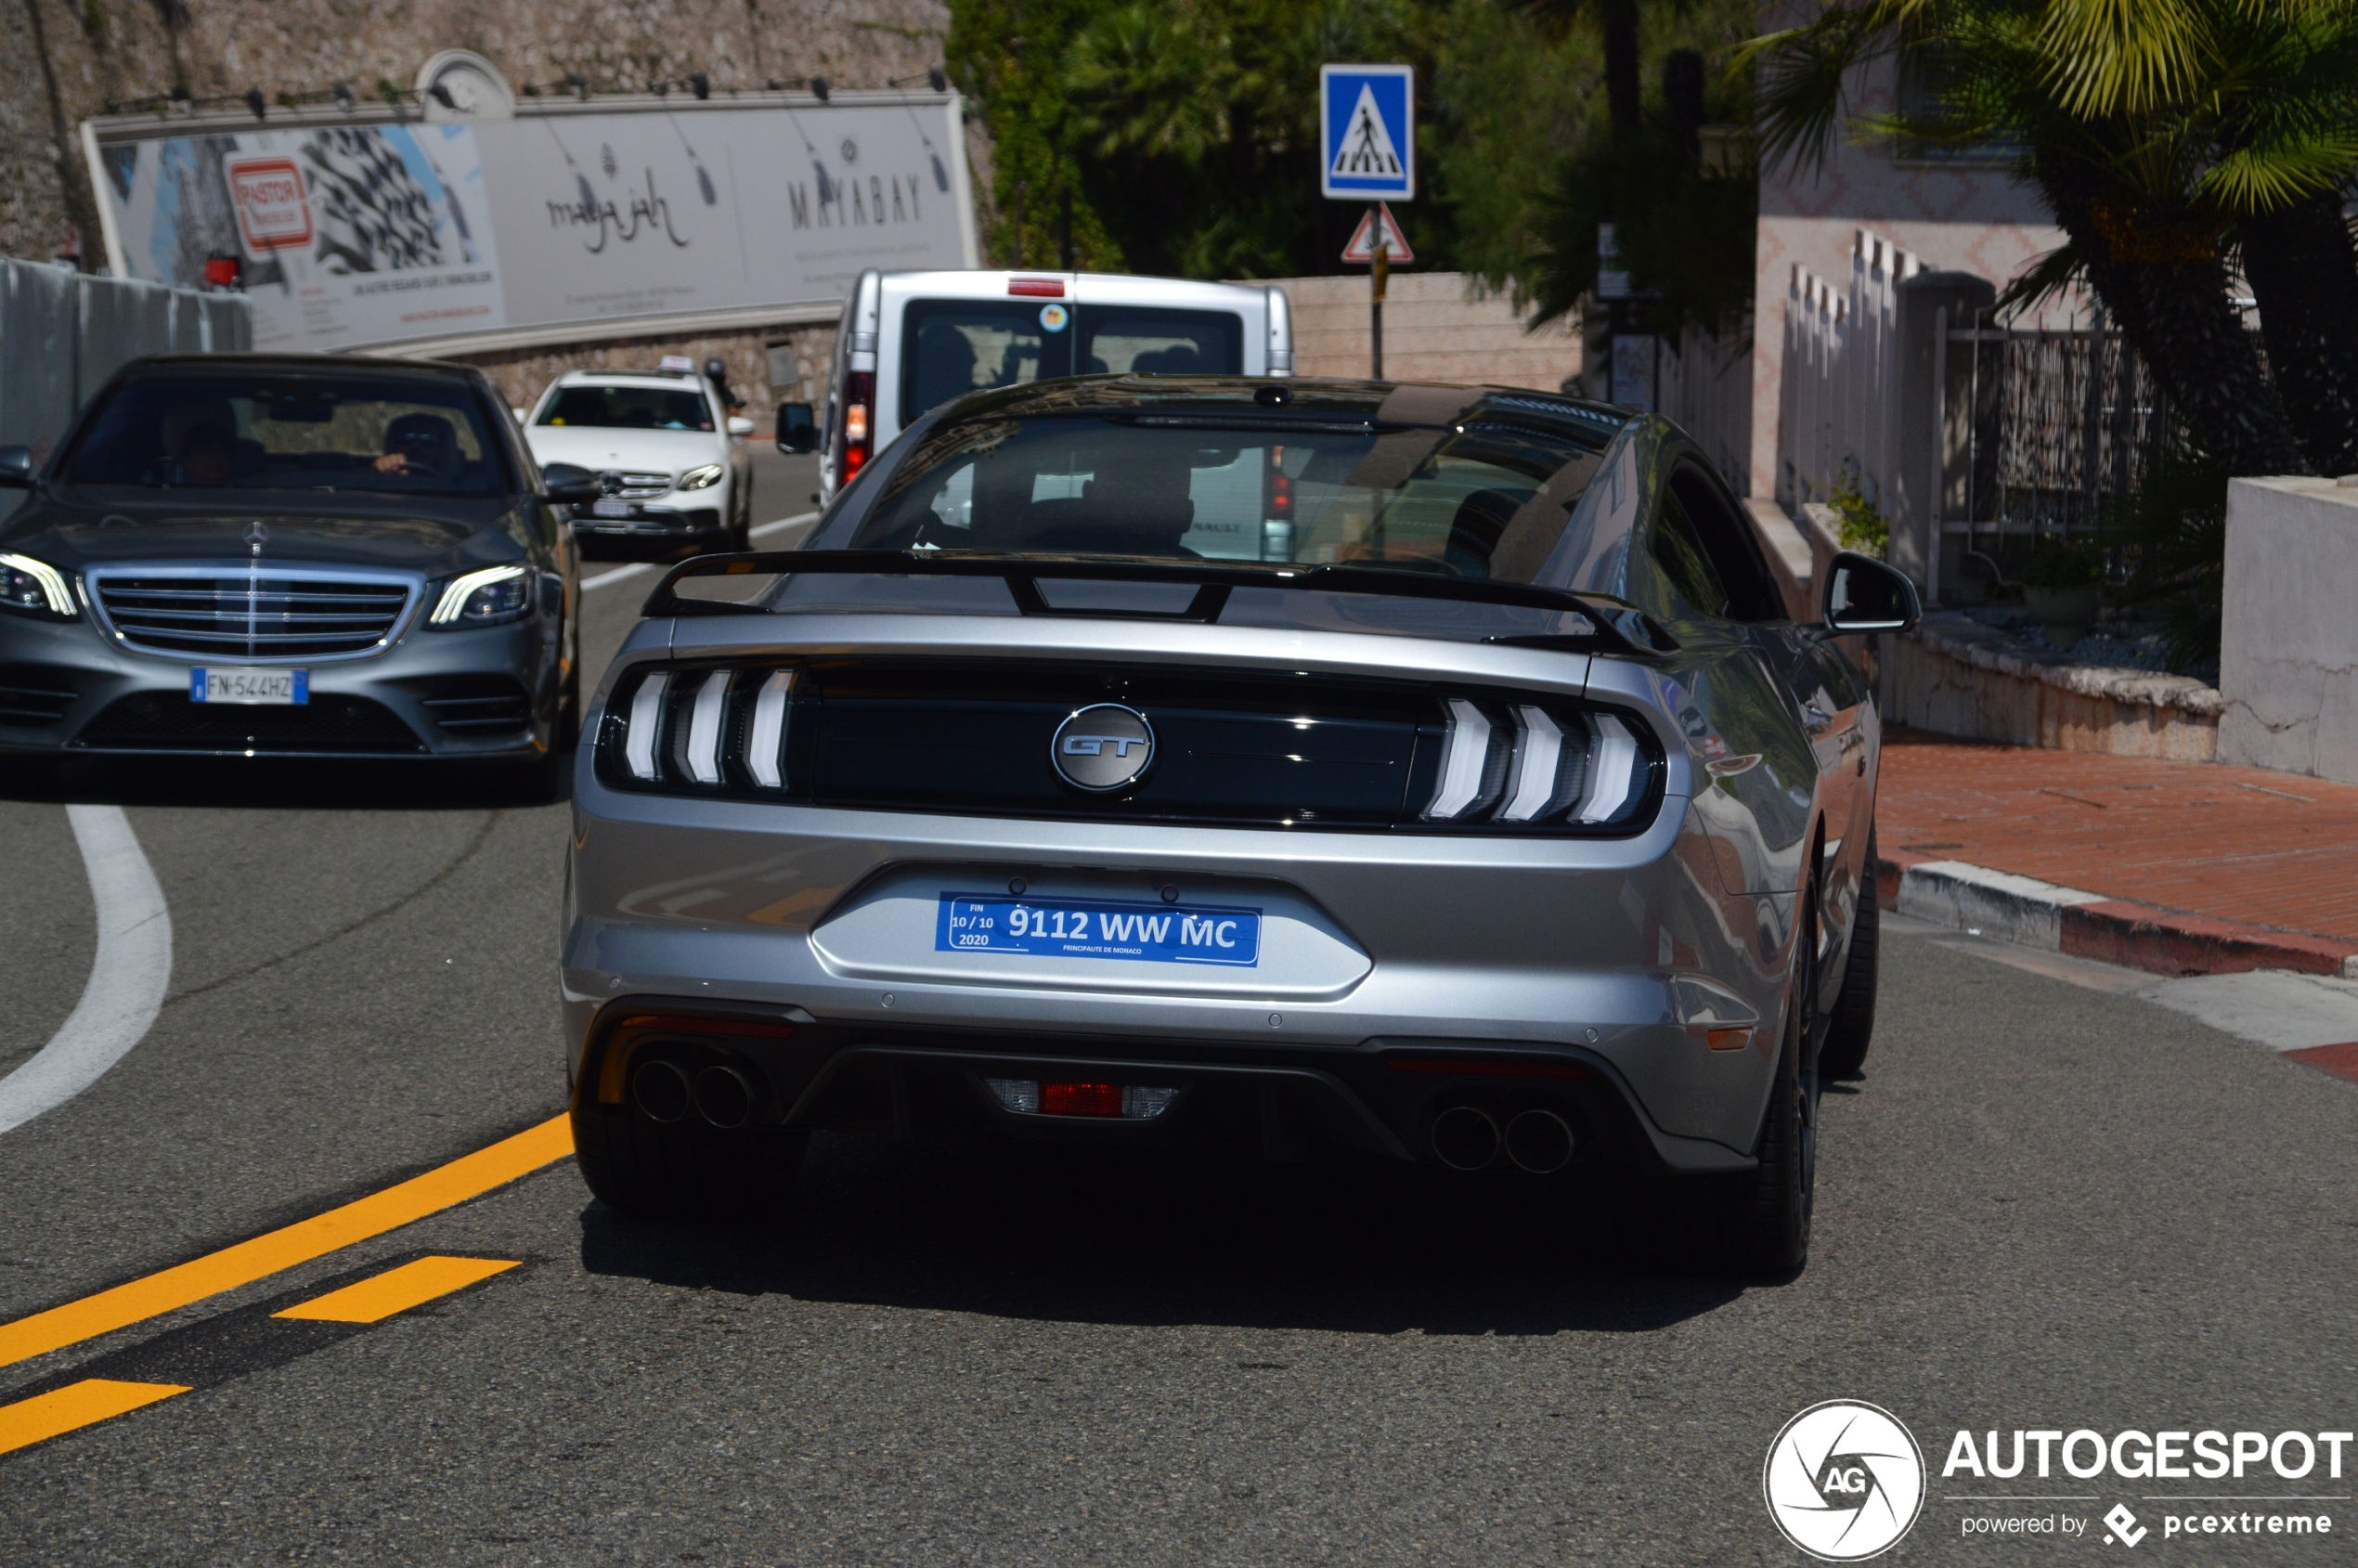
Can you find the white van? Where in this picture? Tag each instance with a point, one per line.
(910, 341)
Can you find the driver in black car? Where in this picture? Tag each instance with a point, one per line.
(419, 447)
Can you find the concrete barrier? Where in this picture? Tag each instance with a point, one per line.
(2288, 635)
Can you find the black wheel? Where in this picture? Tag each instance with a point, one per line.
(1771, 1205)
(1852, 1026)
(741, 536)
(685, 1167)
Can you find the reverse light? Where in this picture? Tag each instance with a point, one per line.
(28, 584)
(485, 598)
(702, 478)
(1129, 1102)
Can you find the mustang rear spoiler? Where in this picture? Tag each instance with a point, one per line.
(1607, 625)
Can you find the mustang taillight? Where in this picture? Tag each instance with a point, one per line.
(710, 728)
(1524, 764)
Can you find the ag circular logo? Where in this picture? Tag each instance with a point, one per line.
(1103, 748)
(1844, 1481)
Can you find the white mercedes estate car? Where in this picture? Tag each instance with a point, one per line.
(671, 462)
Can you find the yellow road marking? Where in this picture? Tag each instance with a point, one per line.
(87, 1403)
(398, 1289)
(169, 1290)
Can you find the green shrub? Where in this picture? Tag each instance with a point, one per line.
(1857, 523)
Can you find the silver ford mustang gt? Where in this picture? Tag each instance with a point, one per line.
(1433, 771)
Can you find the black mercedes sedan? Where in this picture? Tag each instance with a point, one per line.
(289, 555)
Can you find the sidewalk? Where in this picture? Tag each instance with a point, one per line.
(2178, 868)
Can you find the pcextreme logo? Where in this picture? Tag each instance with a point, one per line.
(1844, 1481)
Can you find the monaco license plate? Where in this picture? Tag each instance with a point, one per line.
(609, 509)
(1152, 933)
(278, 688)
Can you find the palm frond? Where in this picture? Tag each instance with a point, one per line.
(1798, 95)
(2058, 272)
(2276, 171)
(2124, 56)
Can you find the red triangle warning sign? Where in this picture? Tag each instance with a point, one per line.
(1362, 249)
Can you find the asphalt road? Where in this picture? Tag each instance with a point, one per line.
(2049, 1204)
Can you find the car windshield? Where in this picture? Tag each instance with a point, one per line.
(628, 408)
(1473, 499)
(260, 432)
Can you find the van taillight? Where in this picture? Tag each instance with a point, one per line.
(859, 398)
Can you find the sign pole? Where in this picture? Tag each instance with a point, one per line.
(1377, 276)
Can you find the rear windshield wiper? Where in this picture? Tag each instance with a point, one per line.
(1603, 625)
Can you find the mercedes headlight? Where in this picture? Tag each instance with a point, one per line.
(485, 598)
(33, 586)
(702, 478)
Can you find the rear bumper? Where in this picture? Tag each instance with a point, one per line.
(1565, 950)
(65, 691)
(835, 1075)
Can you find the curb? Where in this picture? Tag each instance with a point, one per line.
(2138, 935)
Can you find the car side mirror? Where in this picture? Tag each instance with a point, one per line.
(16, 468)
(564, 482)
(798, 428)
(1863, 594)
(740, 426)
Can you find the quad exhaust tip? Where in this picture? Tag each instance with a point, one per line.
(1539, 1142)
(1468, 1138)
(723, 1097)
(661, 1090)
(720, 1094)
(1465, 1138)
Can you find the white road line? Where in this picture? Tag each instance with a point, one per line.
(127, 977)
(637, 568)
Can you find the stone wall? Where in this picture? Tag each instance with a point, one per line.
(1436, 328)
(68, 59)
(1956, 678)
(2289, 634)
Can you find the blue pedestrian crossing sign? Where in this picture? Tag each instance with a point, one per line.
(1368, 114)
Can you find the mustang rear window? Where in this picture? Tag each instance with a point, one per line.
(1472, 500)
(308, 433)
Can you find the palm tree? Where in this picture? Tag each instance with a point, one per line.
(1616, 22)
(2153, 130)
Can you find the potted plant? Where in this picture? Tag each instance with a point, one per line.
(2063, 588)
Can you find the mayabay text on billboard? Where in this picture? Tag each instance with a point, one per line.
(357, 232)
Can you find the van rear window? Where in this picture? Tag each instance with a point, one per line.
(952, 347)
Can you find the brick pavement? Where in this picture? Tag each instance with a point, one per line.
(2241, 845)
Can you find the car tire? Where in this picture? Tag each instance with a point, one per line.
(1770, 1207)
(685, 1169)
(1852, 1027)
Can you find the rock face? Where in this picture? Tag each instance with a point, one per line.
(2289, 641)
(70, 60)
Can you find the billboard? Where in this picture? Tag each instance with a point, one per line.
(572, 221)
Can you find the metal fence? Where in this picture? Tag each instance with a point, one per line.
(63, 333)
(2043, 428)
